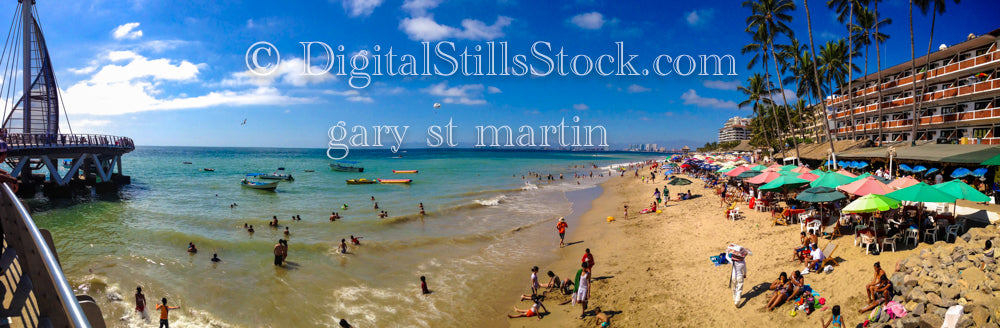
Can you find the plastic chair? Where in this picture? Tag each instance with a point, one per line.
(932, 233)
(912, 233)
(867, 242)
(952, 231)
(890, 241)
(814, 225)
(734, 214)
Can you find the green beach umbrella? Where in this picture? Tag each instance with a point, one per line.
(921, 193)
(784, 183)
(871, 203)
(679, 182)
(725, 169)
(788, 167)
(831, 180)
(759, 168)
(748, 174)
(961, 190)
(820, 195)
(995, 160)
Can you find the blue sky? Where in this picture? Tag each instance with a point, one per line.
(174, 72)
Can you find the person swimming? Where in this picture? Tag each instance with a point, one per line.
(191, 248)
(344, 207)
(215, 257)
(343, 246)
(355, 241)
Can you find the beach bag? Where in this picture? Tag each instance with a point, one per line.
(876, 314)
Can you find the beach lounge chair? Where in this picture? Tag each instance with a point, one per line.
(778, 218)
(828, 254)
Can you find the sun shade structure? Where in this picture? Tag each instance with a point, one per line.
(871, 203)
(866, 186)
(748, 174)
(903, 182)
(784, 183)
(737, 171)
(845, 172)
(808, 176)
(679, 182)
(831, 180)
(801, 169)
(820, 195)
(764, 177)
(921, 193)
(961, 190)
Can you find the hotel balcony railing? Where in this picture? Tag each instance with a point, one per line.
(991, 112)
(987, 85)
(18, 141)
(984, 59)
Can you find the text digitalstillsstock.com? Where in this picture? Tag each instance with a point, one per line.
(489, 59)
(562, 135)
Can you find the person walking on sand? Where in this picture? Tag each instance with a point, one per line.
(279, 250)
(588, 258)
(561, 226)
(738, 275)
(626, 212)
(164, 310)
(140, 303)
(583, 292)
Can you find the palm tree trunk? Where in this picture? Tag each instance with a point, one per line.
(913, 69)
(819, 87)
(850, 71)
(774, 114)
(864, 104)
(781, 89)
(927, 63)
(878, 85)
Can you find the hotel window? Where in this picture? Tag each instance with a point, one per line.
(947, 109)
(964, 56)
(980, 51)
(980, 132)
(982, 105)
(961, 108)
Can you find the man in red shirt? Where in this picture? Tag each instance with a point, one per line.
(589, 259)
(561, 226)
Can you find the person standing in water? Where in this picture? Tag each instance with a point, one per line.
(279, 249)
(140, 303)
(164, 310)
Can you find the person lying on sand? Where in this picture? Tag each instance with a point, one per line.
(602, 318)
(530, 312)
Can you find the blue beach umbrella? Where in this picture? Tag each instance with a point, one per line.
(979, 173)
(861, 165)
(905, 168)
(960, 172)
(919, 168)
(931, 171)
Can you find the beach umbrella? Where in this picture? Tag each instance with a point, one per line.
(960, 172)
(759, 168)
(831, 180)
(980, 172)
(801, 169)
(868, 174)
(865, 186)
(918, 168)
(860, 165)
(784, 183)
(847, 173)
(747, 174)
(903, 182)
(679, 182)
(764, 177)
(930, 171)
(961, 190)
(905, 168)
(820, 195)
(808, 176)
(842, 164)
(995, 160)
(725, 169)
(921, 193)
(871, 203)
(737, 171)
(788, 167)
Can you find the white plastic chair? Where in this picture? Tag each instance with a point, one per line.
(867, 242)
(952, 231)
(734, 214)
(912, 234)
(932, 233)
(890, 241)
(814, 225)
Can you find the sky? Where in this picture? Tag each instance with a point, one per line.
(176, 73)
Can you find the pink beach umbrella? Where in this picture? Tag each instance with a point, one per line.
(801, 169)
(868, 185)
(808, 176)
(847, 173)
(764, 177)
(903, 182)
(737, 171)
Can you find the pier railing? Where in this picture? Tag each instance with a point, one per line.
(42, 295)
(16, 141)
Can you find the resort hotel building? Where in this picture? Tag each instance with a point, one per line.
(735, 129)
(958, 98)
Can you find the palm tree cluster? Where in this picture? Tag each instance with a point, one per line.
(786, 66)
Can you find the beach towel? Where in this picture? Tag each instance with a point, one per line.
(895, 310)
(576, 281)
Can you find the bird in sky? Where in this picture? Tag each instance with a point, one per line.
(244, 122)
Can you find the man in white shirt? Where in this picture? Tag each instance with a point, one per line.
(817, 258)
(938, 178)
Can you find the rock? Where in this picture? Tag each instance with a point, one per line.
(931, 321)
(980, 315)
(973, 275)
(917, 295)
(897, 278)
(966, 237)
(965, 322)
(925, 254)
(964, 265)
(950, 293)
(933, 298)
(918, 309)
(929, 287)
(909, 322)
(939, 312)
(909, 281)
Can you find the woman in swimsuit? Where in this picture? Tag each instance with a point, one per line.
(835, 320)
(796, 284)
(883, 294)
(781, 291)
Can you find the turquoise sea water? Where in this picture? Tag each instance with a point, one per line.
(483, 227)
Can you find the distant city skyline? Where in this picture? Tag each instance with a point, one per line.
(168, 74)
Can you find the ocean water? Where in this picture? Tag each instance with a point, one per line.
(483, 229)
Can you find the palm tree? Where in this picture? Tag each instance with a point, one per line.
(802, 72)
(848, 8)
(759, 48)
(770, 17)
(834, 63)
(938, 7)
(818, 85)
(864, 33)
(878, 56)
(756, 91)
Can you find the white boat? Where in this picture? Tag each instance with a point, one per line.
(247, 183)
(277, 175)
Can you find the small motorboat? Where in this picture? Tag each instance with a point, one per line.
(404, 171)
(395, 180)
(187, 163)
(276, 176)
(247, 183)
(207, 170)
(308, 171)
(360, 181)
(346, 166)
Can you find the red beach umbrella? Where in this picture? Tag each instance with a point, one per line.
(808, 176)
(737, 171)
(868, 185)
(764, 177)
(847, 173)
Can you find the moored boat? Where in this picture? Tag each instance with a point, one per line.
(346, 166)
(277, 175)
(395, 180)
(404, 171)
(207, 170)
(360, 181)
(247, 183)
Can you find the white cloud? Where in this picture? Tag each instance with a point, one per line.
(83, 124)
(426, 29)
(85, 70)
(588, 21)
(357, 8)
(789, 96)
(581, 107)
(635, 88)
(141, 67)
(419, 8)
(721, 85)
(492, 89)
(288, 72)
(126, 31)
(469, 94)
(692, 98)
(352, 95)
(697, 18)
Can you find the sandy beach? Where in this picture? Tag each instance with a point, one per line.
(653, 270)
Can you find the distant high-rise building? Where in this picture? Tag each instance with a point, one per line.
(735, 129)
